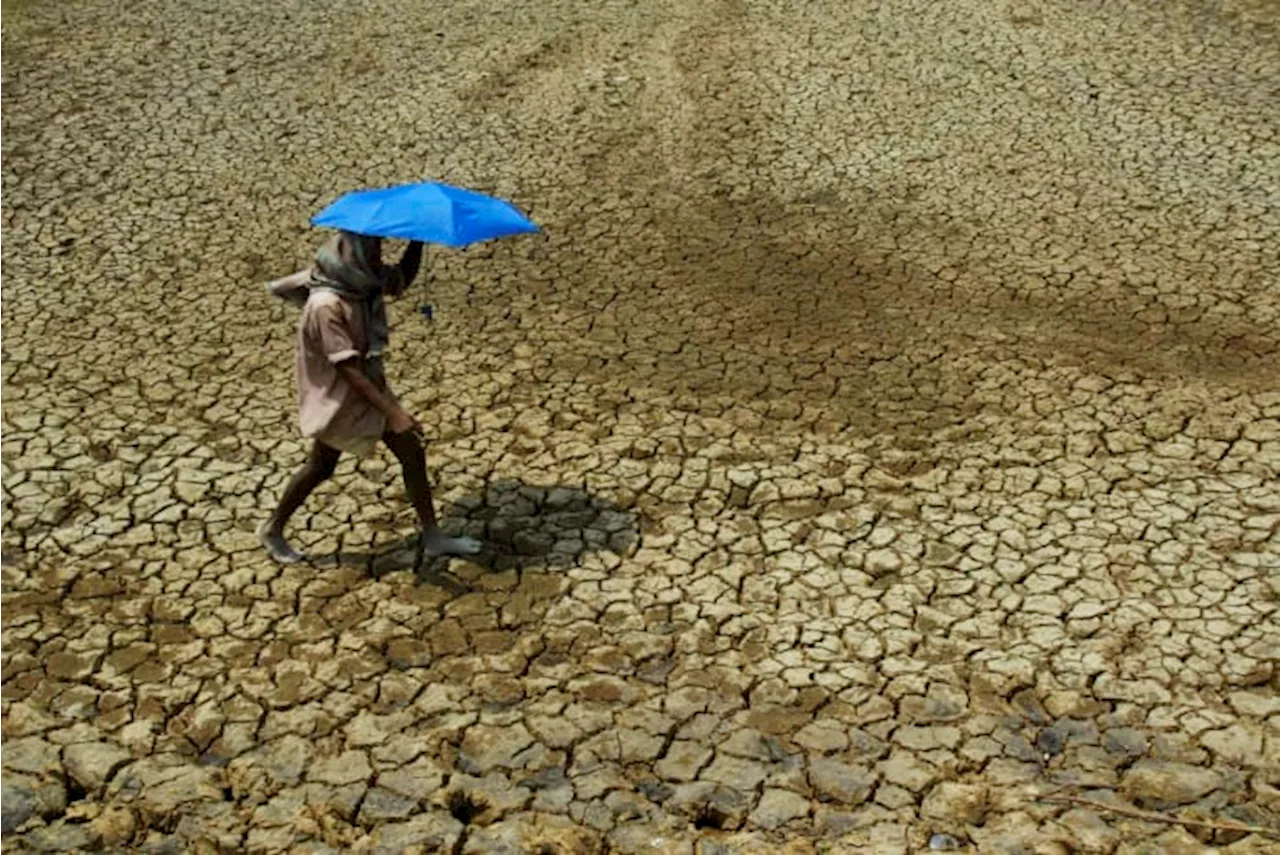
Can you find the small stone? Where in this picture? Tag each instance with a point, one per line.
(944, 843)
(1052, 740)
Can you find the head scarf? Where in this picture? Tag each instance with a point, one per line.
(345, 266)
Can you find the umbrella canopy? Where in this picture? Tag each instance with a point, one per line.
(430, 212)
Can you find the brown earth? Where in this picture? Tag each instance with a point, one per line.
(884, 434)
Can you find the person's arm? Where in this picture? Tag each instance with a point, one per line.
(411, 261)
(398, 421)
(407, 269)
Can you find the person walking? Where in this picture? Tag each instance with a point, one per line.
(344, 402)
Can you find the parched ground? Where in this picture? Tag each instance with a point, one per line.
(883, 437)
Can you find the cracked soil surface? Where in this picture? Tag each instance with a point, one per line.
(883, 436)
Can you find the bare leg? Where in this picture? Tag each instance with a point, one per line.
(319, 467)
(407, 448)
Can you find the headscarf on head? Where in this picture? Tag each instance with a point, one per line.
(344, 266)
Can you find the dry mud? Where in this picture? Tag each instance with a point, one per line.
(883, 436)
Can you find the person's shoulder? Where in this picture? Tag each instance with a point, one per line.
(324, 297)
(323, 307)
(322, 300)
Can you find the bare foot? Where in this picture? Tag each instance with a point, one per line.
(277, 547)
(435, 542)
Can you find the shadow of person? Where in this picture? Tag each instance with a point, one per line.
(522, 527)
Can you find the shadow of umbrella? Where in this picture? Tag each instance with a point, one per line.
(522, 527)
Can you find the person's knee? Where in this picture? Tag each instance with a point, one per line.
(408, 447)
(323, 466)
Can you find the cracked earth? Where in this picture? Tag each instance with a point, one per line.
(883, 436)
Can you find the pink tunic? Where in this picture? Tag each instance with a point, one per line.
(329, 408)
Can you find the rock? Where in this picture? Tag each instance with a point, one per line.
(944, 843)
(834, 781)
(948, 801)
(1052, 740)
(1160, 782)
(91, 764)
(778, 807)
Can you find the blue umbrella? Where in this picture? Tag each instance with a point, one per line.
(431, 212)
